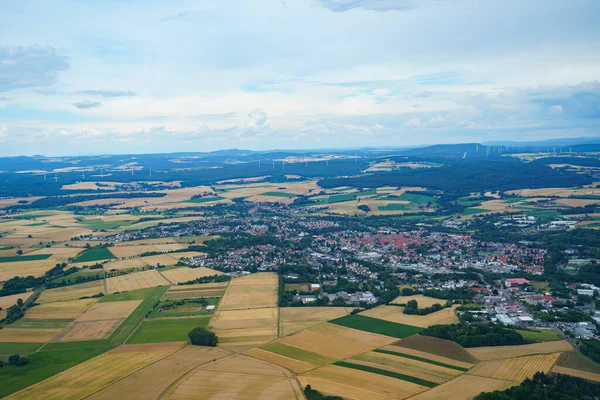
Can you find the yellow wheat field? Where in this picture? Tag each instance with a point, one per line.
(72, 292)
(336, 341)
(395, 314)
(294, 319)
(95, 374)
(423, 301)
(515, 369)
(250, 327)
(236, 377)
(196, 291)
(575, 372)
(497, 352)
(152, 381)
(407, 366)
(465, 387)
(59, 310)
(355, 384)
(185, 274)
(428, 356)
(7, 301)
(251, 291)
(98, 322)
(26, 335)
(290, 363)
(137, 280)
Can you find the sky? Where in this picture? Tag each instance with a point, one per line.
(91, 77)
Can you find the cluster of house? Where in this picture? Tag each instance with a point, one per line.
(352, 299)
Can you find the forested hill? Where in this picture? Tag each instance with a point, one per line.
(466, 178)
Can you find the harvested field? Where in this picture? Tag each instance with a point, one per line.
(395, 314)
(290, 363)
(430, 347)
(27, 335)
(294, 319)
(59, 310)
(152, 381)
(464, 387)
(88, 330)
(110, 310)
(423, 301)
(37, 268)
(72, 292)
(433, 358)
(334, 341)
(185, 274)
(354, 384)
(98, 322)
(251, 291)
(7, 301)
(133, 250)
(196, 291)
(515, 369)
(590, 376)
(251, 327)
(95, 374)
(236, 377)
(137, 280)
(407, 366)
(498, 352)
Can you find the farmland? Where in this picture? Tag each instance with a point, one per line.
(135, 281)
(493, 353)
(196, 291)
(378, 326)
(515, 369)
(97, 254)
(236, 377)
(294, 319)
(97, 373)
(167, 330)
(395, 314)
(252, 291)
(152, 381)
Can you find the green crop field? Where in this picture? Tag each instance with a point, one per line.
(385, 372)
(375, 325)
(297, 353)
(35, 257)
(129, 326)
(98, 223)
(473, 210)
(201, 200)
(44, 364)
(95, 254)
(167, 330)
(279, 194)
(189, 309)
(538, 336)
(126, 296)
(7, 349)
(394, 207)
(418, 198)
(395, 353)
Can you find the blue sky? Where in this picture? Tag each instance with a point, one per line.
(89, 77)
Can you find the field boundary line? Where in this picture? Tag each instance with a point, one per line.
(294, 375)
(128, 375)
(167, 279)
(173, 385)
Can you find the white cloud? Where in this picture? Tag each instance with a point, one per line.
(413, 122)
(557, 109)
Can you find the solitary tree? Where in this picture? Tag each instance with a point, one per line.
(203, 337)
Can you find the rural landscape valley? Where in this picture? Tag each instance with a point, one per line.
(300, 200)
(322, 275)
